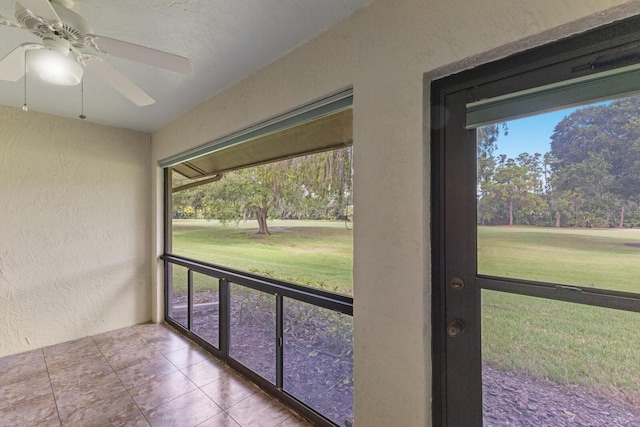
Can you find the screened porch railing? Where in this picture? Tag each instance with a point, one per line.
(294, 341)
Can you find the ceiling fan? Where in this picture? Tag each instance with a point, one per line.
(62, 55)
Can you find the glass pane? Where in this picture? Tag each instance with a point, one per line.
(253, 330)
(551, 363)
(206, 308)
(559, 197)
(318, 359)
(178, 299)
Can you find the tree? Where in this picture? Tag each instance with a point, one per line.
(557, 202)
(487, 138)
(587, 186)
(245, 192)
(312, 186)
(518, 183)
(597, 161)
(186, 203)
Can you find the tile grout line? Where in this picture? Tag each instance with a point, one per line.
(194, 384)
(234, 420)
(226, 410)
(53, 393)
(165, 357)
(223, 410)
(207, 396)
(112, 371)
(115, 373)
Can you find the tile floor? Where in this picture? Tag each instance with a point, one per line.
(139, 376)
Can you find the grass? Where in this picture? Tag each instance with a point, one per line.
(317, 253)
(604, 259)
(563, 342)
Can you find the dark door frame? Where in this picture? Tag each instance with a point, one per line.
(457, 386)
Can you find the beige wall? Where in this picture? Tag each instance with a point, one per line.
(74, 229)
(383, 51)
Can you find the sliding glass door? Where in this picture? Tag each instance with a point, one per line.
(537, 237)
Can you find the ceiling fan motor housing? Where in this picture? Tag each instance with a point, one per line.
(74, 27)
(57, 44)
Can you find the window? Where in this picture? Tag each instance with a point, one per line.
(259, 255)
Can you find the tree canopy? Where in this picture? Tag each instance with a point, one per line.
(589, 178)
(316, 186)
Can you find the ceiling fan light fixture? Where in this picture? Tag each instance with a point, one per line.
(55, 67)
(62, 56)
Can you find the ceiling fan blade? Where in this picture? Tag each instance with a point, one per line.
(119, 82)
(143, 54)
(43, 9)
(12, 66)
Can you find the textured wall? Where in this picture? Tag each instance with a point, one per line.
(383, 51)
(74, 229)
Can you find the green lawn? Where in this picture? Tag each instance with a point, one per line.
(584, 257)
(564, 342)
(317, 253)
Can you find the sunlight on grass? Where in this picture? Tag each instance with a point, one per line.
(606, 259)
(315, 253)
(564, 342)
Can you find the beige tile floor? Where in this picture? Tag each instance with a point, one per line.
(139, 376)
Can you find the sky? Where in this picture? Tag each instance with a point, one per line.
(532, 134)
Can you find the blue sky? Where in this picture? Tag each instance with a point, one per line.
(531, 134)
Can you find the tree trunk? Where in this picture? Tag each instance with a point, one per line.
(511, 212)
(557, 219)
(261, 216)
(621, 217)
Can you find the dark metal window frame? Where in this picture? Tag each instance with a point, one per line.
(280, 289)
(602, 49)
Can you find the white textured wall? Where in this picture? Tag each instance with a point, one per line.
(383, 52)
(74, 229)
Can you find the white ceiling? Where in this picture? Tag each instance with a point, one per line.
(226, 40)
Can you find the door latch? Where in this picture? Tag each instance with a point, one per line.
(456, 283)
(455, 328)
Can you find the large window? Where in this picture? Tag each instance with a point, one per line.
(259, 255)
